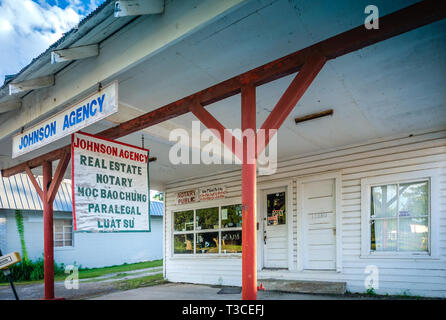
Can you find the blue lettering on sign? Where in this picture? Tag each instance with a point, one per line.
(74, 117)
(38, 135)
(82, 113)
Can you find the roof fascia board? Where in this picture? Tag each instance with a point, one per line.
(10, 105)
(75, 53)
(189, 15)
(32, 84)
(124, 8)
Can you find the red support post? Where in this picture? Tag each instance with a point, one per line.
(249, 239)
(48, 232)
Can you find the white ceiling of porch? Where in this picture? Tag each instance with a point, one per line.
(393, 87)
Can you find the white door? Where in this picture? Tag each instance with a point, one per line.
(275, 230)
(319, 222)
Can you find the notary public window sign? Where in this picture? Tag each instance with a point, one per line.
(210, 230)
(200, 194)
(80, 115)
(212, 193)
(185, 197)
(110, 182)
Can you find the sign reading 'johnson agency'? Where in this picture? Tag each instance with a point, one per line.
(91, 109)
(110, 185)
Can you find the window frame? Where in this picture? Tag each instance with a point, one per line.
(431, 177)
(220, 230)
(64, 247)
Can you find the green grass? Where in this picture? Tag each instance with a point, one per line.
(146, 281)
(97, 272)
(86, 273)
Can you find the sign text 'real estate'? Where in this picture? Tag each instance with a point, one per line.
(110, 185)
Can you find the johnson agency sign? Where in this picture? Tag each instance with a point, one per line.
(91, 109)
(110, 185)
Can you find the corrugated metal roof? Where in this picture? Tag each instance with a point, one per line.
(17, 192)
(156, 208)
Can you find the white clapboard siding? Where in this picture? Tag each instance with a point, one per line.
(417, 276)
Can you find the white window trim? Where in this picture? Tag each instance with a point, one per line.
(64, 248)
(202, 205)
(434, 197)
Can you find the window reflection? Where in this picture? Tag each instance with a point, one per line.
(231, 241)
(207, 242)
(183, 243)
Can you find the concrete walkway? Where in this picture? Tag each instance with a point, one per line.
(182, 291)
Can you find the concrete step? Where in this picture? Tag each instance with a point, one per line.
(300, 286)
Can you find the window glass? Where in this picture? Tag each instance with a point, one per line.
(63, 232)
(413, 234)
(384, 201)
(207, 242)
(58, 243)
(184, 220)
(231, 216)
(231, 241)
(400, 217)
(413, 200)
(276, 208)
(183, 243)
(384, 235)
(207, 218)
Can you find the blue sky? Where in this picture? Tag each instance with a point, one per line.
(29, 27)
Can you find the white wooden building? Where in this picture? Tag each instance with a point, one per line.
(358, 197)
(326, 235)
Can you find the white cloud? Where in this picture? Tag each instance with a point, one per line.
(28, 28)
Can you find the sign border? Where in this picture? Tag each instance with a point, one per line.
(114, 82)
(73, 191)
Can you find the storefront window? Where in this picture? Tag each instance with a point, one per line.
(207, 242)
(183, 243)
(231, 241)
(207, 218)
(184, 220)
(231, 216)
(215, 230)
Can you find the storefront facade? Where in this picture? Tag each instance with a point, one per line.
(321, 218)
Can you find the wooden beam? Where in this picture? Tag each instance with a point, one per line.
(34, 182)
(58, 177)
(294, 92)
(36, 83)
(10, 105)
(124, 8)
(213, 124)
(401, 21)
(74, 53)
